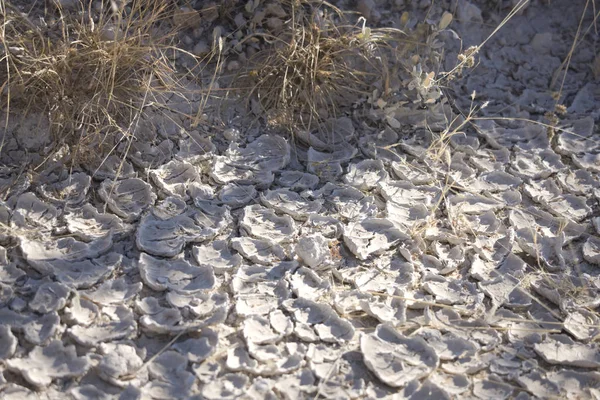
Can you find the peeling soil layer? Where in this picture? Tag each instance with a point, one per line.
(439, 238)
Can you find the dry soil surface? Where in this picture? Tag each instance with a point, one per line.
(236, 263)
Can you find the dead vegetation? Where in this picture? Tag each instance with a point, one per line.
(90, 72)
(315, 64)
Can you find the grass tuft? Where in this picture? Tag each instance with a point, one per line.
(315, 65)
(89, 72)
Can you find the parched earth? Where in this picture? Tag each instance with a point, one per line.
(393, 262)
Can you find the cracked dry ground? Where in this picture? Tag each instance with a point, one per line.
(263, 269)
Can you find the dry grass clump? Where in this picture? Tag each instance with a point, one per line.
(315, 64)
(89, 70)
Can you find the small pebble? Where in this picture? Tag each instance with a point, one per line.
(233, 65)
(231, 134)
(201, 49)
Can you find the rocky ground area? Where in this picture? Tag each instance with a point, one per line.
(437, 244)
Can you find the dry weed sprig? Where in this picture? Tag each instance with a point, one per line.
(467, 58)
(88, 71)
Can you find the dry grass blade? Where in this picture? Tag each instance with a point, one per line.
(88, 74)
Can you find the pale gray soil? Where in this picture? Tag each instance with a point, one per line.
(231, 262)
